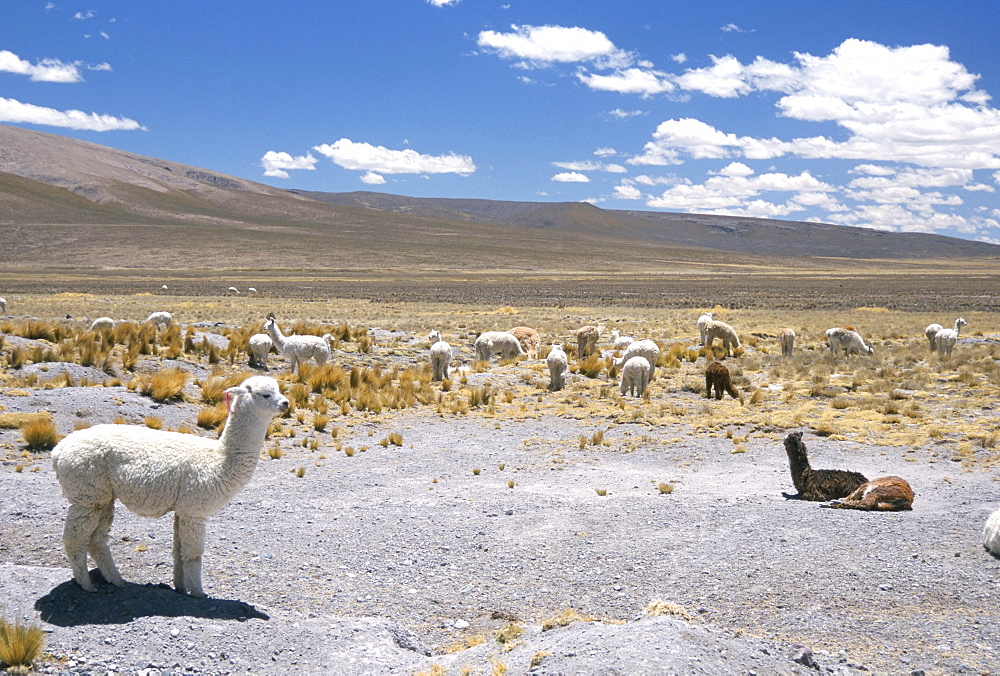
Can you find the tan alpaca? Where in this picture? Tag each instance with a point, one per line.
(586, 339)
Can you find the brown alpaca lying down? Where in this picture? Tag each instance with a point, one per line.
(885, 494)
(817, 485)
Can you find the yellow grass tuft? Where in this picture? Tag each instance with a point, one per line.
(40, 434)
(20, 643)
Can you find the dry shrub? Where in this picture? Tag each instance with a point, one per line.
(13, 421)
(40, 434)
(165, 385)
(20, 644)
(565, 618)
(213, 388)
(657, 608)
(212, 416)
(592, 366)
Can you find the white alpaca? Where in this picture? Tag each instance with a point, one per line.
(252, 290)
(635, 376)
(529, 339)
(787, 339)
(233, 289)
(503, 343)
(298, 349)
(723, 331)
(102, 323)
(259, 346)
(619, 342)
(441, 356)
(558, 364)
(931, 333)
(991, 533)
(645, 348)
(153, 472)
(3, 306)
(160, 319)
(702, 320)
(847, 341)
(946, 338)
(163, 288)
(586, 339)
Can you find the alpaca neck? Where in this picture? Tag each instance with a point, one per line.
(958, 327)
(798, 462)
(276, 335)
(240, 444)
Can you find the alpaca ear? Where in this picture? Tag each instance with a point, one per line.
(231, 395)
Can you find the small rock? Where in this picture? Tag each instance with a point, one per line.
(461, 624)
(803, 655)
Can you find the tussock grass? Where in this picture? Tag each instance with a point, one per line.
(166, 385)
(39, 434)
(21, 644)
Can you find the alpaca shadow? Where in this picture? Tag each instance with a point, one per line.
(68, 606)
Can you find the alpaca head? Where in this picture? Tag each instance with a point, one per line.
(959, 323)
(434, 336)
(794, 446)
(260, 393)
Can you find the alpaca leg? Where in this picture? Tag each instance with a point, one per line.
(99, 549)
(81, 522)
(708, 387)
(189, 545)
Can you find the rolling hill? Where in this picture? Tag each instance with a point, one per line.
(63, 199)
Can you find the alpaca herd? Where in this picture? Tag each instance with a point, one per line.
(154, 472)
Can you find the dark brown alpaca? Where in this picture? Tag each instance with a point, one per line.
(717, 377)
(885, 494)
(817, 485)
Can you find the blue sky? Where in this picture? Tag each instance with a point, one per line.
(875, 114)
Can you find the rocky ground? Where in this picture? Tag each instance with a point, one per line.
(401, 558)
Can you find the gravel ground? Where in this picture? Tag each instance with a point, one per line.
(392, 560)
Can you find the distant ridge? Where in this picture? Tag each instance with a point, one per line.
(50, 185)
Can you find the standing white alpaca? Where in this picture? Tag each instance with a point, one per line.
(847, 341)
(102, 323)
(635, 376)
(153, 472)
(702, 320)
(441, 356)
(160, 319)
(641, 348)
(259, 347)
(297, 349)
(931, 332)
(946, 338)
(787, 339)
(3, 306)
(619, 342)
(991, 534)
(723, 331)
(503, 343)
(558, 364)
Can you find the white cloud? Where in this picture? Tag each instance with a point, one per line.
(606, 152)
(46, 70)
(736, 169)
(739, 193)
(371, 178)
(538, 46)
(571, 177)
(623, 114)
(590, 165)
(443, 3)
(366, 157)
(627, 192)
(679, 58)
(640, 81)
(83, 16)
(276, 164)
(17, 112)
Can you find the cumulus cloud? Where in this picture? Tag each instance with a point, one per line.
(571, 177)
(366, 157)
(371, 178)
(443, 3)
(18, 113)
(277, 164)
(739, 194)
(641, 81)
(538, 46)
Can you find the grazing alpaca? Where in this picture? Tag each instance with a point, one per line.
(529, 340)
(641, 348)
(558, 365)
(300, 348)
(702, 320)
(503, 343)
(160, 319)
(931, 333)
(847, 341)
(635, 376)
(991, 534)
(725, 333)
(885, 494)
(619, 342)
(440, 357)
(717, 378)
(586, 339)
(259, 346)
(153, 472)
(946, 338)
(817, 485)
(787, 339)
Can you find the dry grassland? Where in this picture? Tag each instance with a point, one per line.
(903, 396)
